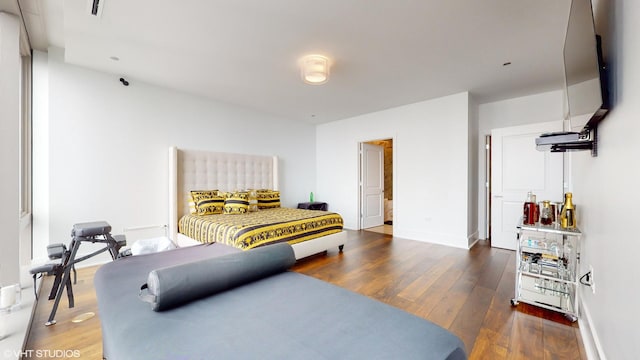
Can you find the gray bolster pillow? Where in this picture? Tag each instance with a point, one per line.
(173, 286)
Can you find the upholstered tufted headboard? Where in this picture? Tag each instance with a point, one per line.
(206, 170)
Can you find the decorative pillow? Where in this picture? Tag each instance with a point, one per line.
(195, 194)
(209, 204)
(268, 199)
(253, 200)
(236, 202)
(172, 286)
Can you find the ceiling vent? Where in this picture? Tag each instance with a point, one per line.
(95, 7)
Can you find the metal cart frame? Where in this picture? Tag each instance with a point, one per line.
(549, 283)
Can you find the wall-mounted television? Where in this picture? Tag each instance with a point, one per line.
(585, 83)
(585, 73)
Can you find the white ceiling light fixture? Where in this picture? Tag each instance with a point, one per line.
(315, 69)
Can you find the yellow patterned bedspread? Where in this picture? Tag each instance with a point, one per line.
(266, 226)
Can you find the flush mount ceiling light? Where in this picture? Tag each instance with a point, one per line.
(315, 69)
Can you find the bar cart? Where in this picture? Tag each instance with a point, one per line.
(547, 259)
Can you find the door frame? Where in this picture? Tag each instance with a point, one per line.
(487, 187)
(359, 180)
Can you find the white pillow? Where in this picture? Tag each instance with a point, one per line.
(152, 245)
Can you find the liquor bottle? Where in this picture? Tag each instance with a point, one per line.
(546, 214)
(536, 208)
(568, 214)
(529, 210)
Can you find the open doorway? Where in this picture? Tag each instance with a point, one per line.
(376, 186)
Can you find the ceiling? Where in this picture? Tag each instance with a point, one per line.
(385, 53)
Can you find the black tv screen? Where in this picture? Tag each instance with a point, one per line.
(585, 75)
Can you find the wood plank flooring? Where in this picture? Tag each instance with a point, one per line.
(467, 292)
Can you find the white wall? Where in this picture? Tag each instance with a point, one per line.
(606, 193)
(10, 70)
(431, 157)
(41, 154)
(107, 157)
(544, 107)
(472, 162)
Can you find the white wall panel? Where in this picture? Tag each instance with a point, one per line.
(606, 193)
(108, 150)
(10, 70)
(431, 155)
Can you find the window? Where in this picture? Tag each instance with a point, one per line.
(25, 137)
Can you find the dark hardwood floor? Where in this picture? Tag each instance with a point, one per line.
(465, 291)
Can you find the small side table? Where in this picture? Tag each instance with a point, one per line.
(313, 205)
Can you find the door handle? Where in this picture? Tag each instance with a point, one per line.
(498, 196)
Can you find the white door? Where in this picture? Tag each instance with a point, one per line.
(516, 168)
(372, 185)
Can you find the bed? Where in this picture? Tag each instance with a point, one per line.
(266, 226)
(286, 315)
(200, 170)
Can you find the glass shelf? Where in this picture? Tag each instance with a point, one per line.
(553, 229)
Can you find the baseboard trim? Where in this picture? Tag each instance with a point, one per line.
(590, 339)
(473, 239)
(34, 304)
